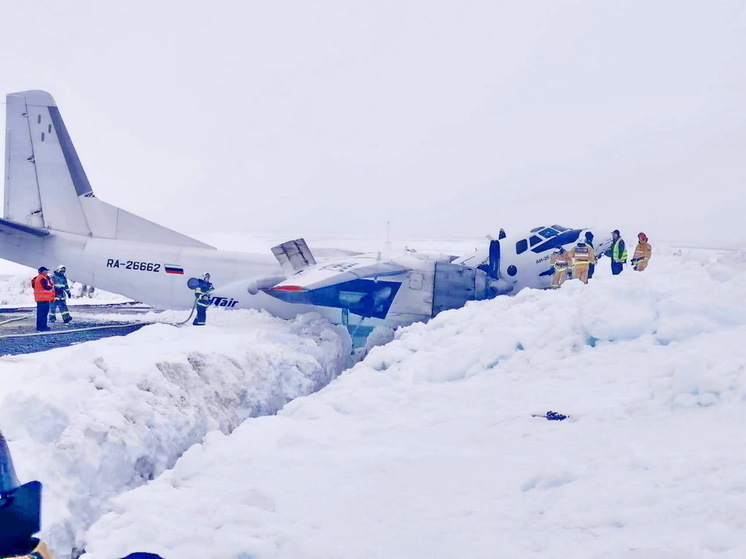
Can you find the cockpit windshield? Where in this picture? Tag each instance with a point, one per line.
(559, 228)
(8, 479)
(548, 233)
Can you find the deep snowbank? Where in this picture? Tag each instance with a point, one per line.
(94, 420)
(428, 448)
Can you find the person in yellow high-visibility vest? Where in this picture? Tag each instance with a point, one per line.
(581, 256)
(617, 252)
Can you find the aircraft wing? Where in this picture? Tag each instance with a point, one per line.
(12, 228)
(357, 284)
(340, 271)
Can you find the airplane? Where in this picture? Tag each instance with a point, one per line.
(52, 215)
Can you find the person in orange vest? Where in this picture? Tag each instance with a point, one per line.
(43, 295)
(560, 260)
(581, 256)
(642, 253)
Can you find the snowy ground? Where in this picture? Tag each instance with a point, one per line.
(94, 420)
(427, 448)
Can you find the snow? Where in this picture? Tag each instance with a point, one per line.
(94, 420)
(425, 448)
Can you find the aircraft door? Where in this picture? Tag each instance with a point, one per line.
(455, 285)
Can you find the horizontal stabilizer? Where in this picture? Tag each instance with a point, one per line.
(294, 256)
(16, 227)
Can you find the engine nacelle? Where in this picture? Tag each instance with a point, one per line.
(456, 284)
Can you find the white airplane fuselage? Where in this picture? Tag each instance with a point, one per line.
(51, 217)
(138, 270)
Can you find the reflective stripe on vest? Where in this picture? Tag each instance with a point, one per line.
(581, 256)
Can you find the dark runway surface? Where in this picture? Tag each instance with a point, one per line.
(18, 333)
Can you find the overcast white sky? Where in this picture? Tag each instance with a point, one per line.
(446, 118)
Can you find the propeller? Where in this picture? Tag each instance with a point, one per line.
(493, 270)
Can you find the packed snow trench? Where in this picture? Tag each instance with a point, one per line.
(95, 420)
(428, 447)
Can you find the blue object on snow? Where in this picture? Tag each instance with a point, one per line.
(554, 416)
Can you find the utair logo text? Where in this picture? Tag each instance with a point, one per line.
(224, 302)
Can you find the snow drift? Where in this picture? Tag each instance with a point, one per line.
(95, 420)
(428, 447)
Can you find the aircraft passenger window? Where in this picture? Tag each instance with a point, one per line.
(534, 240)
(49, 129)
(42, 136)
(512, 270)
(548, 232)
(38, 119)
(521, 246)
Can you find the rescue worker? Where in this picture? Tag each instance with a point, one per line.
(560, 260)
(203, 294)
(617, 252)
(589, 242)
(43, 295)
(61, 292)
(20, 513)
(643, 251)
(581, 256)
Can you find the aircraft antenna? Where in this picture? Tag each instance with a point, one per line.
(388, 235)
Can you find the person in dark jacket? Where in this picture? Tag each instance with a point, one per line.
(617, 252)
(43, 295)
(203, 294)
(20, 513)
(61, 293)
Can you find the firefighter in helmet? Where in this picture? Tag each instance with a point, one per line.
(643, 251)
(61, 293)
(582, 256)
(560, 261)
(202, 294)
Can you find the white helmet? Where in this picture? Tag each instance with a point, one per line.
(60, 268)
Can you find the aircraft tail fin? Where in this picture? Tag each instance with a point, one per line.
(46, 186)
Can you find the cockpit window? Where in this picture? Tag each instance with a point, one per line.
(559, 228)
(534, 240)
(548, 233)
(521, 246)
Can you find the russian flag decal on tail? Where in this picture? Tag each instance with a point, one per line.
(172, 269)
